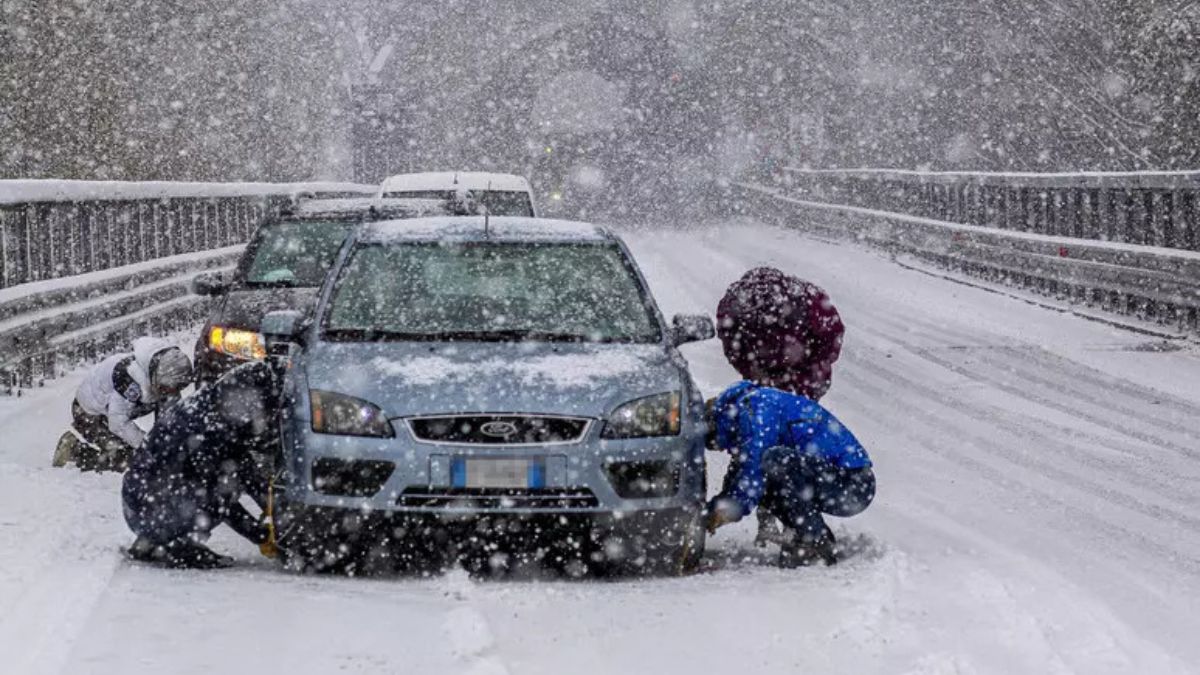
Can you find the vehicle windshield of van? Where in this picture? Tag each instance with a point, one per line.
(295, 253)
(498, 202)
(561, 292)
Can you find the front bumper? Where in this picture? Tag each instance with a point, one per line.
(417, 477)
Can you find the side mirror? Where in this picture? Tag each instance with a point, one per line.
(691, 328)
(209, 283)
(281, 329)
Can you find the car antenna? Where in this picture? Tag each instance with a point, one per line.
(487, 213)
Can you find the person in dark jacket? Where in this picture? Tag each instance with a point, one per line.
(792, 459)
(195, 465)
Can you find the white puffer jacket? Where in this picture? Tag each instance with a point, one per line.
(98, 393)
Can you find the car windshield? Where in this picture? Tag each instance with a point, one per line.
(490, 292)
(498, 202)
(295, 253)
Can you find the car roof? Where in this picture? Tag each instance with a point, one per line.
(360, 207)
(454, 180)
(472, 228)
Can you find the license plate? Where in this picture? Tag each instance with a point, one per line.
(494, 472)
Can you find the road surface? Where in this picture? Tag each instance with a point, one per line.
(1038, 512)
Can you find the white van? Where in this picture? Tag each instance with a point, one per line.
(504, 194)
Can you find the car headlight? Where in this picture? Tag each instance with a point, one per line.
(347, 416)
(656, 415)
(237, 342)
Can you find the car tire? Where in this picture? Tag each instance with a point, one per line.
(317, 543)
(649, 545)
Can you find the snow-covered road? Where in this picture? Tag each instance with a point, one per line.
(1038, 512)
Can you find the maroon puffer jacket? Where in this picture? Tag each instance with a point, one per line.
(780, 331)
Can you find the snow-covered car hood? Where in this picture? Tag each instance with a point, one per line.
(423, 378)
(245, 308)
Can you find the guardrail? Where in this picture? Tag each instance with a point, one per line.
(84, 267)
(1152, 209)
(1151, 283)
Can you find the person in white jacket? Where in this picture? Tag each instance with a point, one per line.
(115, 393)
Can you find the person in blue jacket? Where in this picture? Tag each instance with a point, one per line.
(794, 459)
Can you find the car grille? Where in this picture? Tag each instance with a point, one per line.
(498, 429)
(493, 498)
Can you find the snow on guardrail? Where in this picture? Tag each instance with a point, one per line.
(1119, 179)
(49, 190)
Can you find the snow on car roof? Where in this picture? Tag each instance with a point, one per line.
(310, 208)
(451, 180)
(472, 228)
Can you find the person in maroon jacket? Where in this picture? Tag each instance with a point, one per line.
(781, 332)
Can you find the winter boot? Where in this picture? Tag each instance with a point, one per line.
(802, 551)
(770, 530)
(180, 553)
(185, 553)
(66, 452)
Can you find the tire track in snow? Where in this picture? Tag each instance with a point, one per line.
(917, 416)
(1014, 367)
(1004, 420)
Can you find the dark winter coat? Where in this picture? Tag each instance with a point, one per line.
(199, 459)
(780, 331)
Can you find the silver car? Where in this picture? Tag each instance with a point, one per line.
(468, 381)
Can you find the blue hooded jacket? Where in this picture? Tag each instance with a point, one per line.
(750, 420)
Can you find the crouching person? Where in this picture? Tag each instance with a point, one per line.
(117, 391)
(196, 463)
(793, 459)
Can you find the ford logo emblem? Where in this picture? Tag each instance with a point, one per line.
(498, 429)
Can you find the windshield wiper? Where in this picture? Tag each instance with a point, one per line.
(280, 283)
(515, 335)
(508, 335)
(511, 335)
(372, 335)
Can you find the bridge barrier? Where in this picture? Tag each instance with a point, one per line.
(85, 267)
(1151, 283)
(1145, 208)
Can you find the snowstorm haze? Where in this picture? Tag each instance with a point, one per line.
(623, 102)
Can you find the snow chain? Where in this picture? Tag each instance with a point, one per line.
(269, 548)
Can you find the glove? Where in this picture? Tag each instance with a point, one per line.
(721, 512)
(269, 549)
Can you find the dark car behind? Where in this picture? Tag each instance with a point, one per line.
(282, 267)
